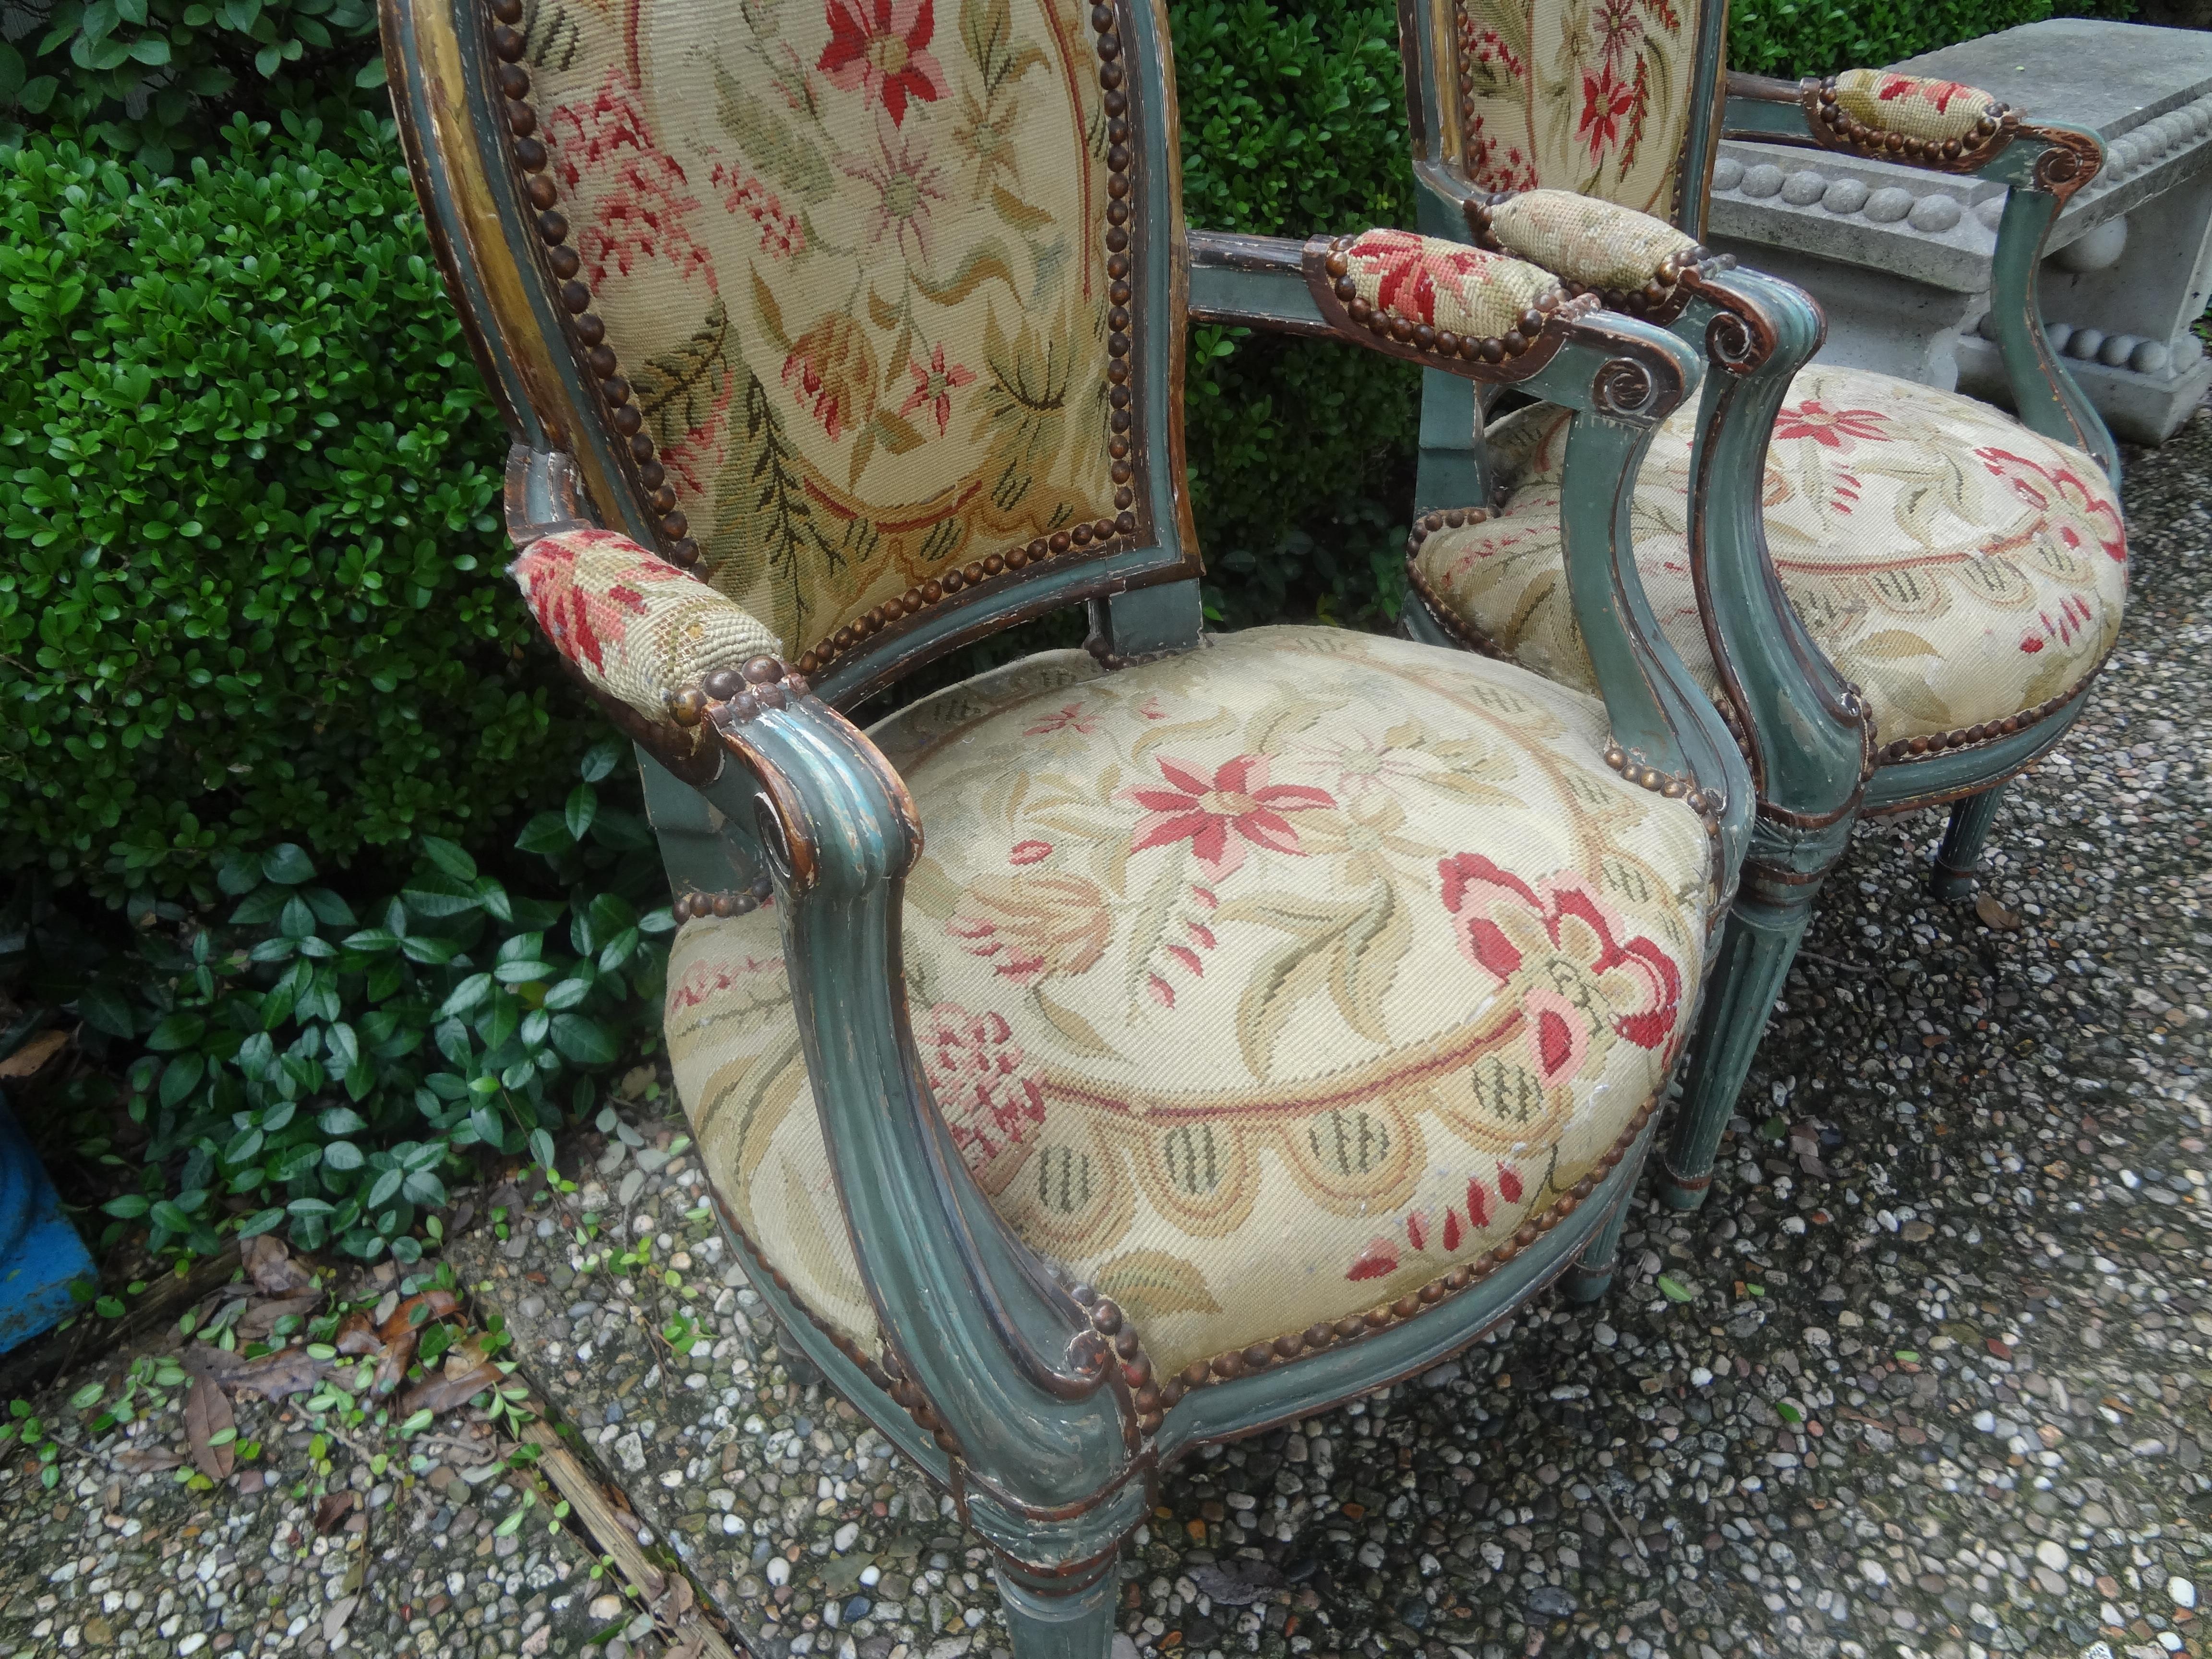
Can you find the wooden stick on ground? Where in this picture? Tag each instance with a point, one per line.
(671, 1600)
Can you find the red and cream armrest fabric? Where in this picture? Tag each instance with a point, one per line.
(635, 626)
(1597, 243)
(1470, 295)
(1906, 117)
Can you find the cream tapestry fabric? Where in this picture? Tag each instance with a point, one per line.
(850, 256)
(1258, 985)
(1955, 565)
(1907, 104)
(1587, 96)
(1595, 243)
(634, 625)
(1424, 279)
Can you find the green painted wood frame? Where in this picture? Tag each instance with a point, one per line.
(1805, 730)
(1032, 1401)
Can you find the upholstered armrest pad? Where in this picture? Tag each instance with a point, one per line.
(1597, 243)
(635, 626)
(1904, 116)
(1409, 284)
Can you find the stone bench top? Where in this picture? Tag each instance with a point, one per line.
(2146, 93)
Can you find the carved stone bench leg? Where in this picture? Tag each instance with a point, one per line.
(1958, 873)
(1059, 1618)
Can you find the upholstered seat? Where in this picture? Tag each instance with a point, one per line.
(1260, 986)
(1959, 568)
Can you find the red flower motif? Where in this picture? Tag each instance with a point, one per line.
(1508, 1184)
(1606, 99)
(638, 196)
(1378, 1260)
(990, 1093)
(1238, 797)
(1502, 922)
(2061, 495)
(1835, 428)
(933, 387)
(1478, 1202)
(879, 48)
(1030, 852)
(1938, 93)
(1417, 1230)
(2032, 644)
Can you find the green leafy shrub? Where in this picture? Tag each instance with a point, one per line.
(155, 78)
(1798, 38)
(323, 1067)
(1301, 452)
(250, 558)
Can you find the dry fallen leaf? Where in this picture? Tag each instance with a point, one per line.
(149, 1460)
(439, 1303)
(1994, 915)
(331, 1512)
(273, 1269)
(356, 1335)
(334, 1620)
(273, 1377)
(207, 1414)
(442, 1394)
(259, 1322)
(392, 1363)
(26, 1060)
(676, 1599)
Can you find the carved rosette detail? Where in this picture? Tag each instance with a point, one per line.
(1123, 446)
(1738, 342)
(2073, 160)
(1623, 389)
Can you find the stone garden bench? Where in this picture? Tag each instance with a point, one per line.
(1899, 258)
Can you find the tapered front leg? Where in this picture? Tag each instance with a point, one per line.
(1592, 1274)
(1068, 1618)
(1958, 873)
(1781, 880)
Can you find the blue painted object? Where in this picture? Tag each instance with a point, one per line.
(40, 1254)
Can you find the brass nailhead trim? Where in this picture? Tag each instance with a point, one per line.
(623, 421)
(1844, 130)
(1114, 1327)
(738, 902)
(1234, 1363)
(1119, 372)
(1965, 736)
(1669, 288)
(1442, 341)
(845, 1345)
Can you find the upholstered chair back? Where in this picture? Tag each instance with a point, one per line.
(1614, 99)
(856, 290)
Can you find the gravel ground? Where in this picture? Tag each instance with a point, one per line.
(1928, 1377)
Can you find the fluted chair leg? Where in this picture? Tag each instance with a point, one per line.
(1757, 947)
(1592, 1274)
(1958, 872)
(1059, 1617)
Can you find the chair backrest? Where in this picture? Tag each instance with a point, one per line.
(1617, 98)
(866, 311)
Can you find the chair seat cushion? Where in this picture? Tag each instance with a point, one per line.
(1957, 566)
(1260, 986)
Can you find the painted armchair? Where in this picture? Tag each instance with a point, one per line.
(1896, 597)
(1124, 1048)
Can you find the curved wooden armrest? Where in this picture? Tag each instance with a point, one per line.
(996, 1360)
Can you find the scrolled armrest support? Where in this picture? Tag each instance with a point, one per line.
(1006, 1370)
